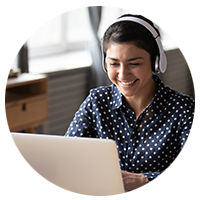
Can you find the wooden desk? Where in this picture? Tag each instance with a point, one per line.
(12, 186)
(26, 102)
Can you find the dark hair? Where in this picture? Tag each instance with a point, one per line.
(132, 32)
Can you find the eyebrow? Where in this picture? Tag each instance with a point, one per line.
(131, 59)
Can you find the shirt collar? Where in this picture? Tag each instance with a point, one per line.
(158, 102)
(116, 97)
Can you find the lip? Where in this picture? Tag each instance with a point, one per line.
(128, 83)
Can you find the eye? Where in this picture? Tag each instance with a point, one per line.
(113, 64)
(135, 64)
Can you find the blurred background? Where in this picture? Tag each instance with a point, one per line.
(55, 69)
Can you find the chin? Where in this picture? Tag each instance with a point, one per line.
(128, 94)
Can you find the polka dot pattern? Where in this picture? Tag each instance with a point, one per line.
(147, 145)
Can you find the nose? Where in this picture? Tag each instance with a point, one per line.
(123, 72)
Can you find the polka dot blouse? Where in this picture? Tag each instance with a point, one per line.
(147, 145)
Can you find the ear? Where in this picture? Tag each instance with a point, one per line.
(104, 64)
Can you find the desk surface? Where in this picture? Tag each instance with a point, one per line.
(12, 186)
(24, 78)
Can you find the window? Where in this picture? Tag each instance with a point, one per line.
(48, 38)
(78, 25)
(56, 29)
(68, 31)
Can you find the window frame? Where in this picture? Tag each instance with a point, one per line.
(63, 46)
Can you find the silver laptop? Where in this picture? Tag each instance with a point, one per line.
(82, 165)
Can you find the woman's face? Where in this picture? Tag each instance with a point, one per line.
(129, 68)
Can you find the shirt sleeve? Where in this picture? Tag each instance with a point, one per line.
(171, 181)
(81, 126)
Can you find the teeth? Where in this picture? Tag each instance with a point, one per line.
(128, 83)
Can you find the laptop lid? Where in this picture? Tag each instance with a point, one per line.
(82, 165)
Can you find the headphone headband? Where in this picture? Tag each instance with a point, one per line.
(139, 21)
(161, 60)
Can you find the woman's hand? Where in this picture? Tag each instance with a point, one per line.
(133, 180)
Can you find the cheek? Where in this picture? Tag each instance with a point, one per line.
(139, 73)
(111, 74)
(143, 71)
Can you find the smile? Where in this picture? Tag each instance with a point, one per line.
(128, 83)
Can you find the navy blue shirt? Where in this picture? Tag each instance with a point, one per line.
(148, 144)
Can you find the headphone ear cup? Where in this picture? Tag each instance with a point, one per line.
(156, 69)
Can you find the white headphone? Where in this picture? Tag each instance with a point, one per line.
(161, 60)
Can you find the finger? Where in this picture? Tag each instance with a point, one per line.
(123, 172)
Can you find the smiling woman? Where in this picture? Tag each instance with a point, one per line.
(149, 121)
(129, 68)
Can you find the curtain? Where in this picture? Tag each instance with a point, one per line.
(97, 76)
(17, 51)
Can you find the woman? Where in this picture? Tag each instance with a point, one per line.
(149, 121)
